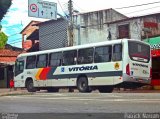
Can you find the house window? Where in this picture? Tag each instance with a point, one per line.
(123, 31)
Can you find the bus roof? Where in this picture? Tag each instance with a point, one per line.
(78, 47)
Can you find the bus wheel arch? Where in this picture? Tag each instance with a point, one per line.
(29, 85)
(82, 83)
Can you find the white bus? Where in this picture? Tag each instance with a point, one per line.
(103, 66)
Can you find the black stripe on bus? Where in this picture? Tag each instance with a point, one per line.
(94, 74)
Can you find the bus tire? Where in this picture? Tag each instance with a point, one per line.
(30, 86)
(105, 89)
(82, 84)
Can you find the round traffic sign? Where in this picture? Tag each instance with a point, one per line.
(33, 7)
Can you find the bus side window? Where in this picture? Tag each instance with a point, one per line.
(117, 52)
(69, 57)
(31, 62)
(85, 55)
(42, 60)
(103, 54)
(55, 59)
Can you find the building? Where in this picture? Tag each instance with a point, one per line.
(30, 36)
(94, 27)
(140, 28)
(55, 33)
(7, 60)
(145, 28)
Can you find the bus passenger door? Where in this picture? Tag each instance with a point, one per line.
(18, 74)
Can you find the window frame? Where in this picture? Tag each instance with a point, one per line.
(109, 53)
(74, 58)
(33, 64)
(50, 55)
(125, 28)
(44, 63)
(82, 58)
(141, 45)
(19, 67)
(113, 53)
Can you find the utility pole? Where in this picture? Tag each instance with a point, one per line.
(70, 9)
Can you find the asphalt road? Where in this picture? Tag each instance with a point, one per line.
(76, 103)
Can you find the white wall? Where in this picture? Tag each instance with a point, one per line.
(95, 23)
(135, 28)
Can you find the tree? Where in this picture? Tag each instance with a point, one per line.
(4, 6)
(3, 39)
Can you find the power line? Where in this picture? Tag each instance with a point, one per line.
(138, 5)
(61, 7)
(16, 40)
(19, 33)
(14, 34)
(13, 25)
(142, 10)
(78, 6)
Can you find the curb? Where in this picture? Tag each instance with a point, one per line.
(15, 93)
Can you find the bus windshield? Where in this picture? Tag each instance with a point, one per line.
(139, 51)
(19, 67)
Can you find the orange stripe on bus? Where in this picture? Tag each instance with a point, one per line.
(38, 74)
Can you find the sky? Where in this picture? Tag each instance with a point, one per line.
(17, 17)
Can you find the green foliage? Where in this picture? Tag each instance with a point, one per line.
(4, 6)
(3, 40)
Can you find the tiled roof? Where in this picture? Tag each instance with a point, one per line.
(8, 56)
(7, 59)
(8, 53)
(13, 48)
(35, 22)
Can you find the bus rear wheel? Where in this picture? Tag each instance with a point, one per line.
(30, 86)
(105, 89)
(82, 85)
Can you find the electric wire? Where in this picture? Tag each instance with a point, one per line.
(138, 5)
(142, 10)
(61, 7)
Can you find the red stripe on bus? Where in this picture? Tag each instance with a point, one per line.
(45, 71)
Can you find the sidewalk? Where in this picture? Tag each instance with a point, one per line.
(7, 91)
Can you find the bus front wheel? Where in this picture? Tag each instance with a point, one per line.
(30, 86)
(82, 85)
